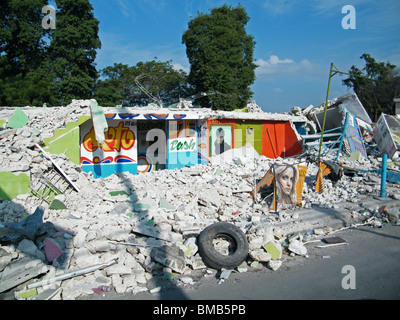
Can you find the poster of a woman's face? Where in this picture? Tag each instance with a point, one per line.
(286, 177)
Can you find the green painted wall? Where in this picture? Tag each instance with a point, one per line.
(66, 140)
(249, 132)
(18, 120)
(12, 185)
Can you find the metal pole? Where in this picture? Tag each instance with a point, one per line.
(384, 174)
(325, 110)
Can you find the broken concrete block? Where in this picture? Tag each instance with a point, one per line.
(83, 258)
(242, 268)
(20, 271)
(27, 228)
(51, 249)
(121, 208)
(146, 204)
(28, 246)
(170, 256)
(274, 248)
(209, 197)
(256, 243)
(118, 269)
(274, 264)
(79, 238)
(260, 255)
(189, 247)
(63, 260)
(5, 258)
(100, 245)
(355, 156)
(165, 204)
(278, 233)
(297, 247)
(197, 262)
(157, 233)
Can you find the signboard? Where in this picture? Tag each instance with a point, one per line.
(383, 137)
(353, 135)
(287, 181)
(288, 187)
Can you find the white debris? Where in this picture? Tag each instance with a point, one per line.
(154, 220)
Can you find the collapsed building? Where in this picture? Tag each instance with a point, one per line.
(123, 193)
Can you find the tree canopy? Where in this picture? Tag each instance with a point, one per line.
(52, 66)
(377, 94)
(147, 82)
(220, 53)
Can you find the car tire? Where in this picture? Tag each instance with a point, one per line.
(238, 246)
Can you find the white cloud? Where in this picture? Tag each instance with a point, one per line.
(278, 6)
(178, 67)
(275, 65)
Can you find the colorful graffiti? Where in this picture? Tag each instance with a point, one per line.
(117, 138)
(117, 154)
(146, 116)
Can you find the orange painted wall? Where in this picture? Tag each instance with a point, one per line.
(280, 142)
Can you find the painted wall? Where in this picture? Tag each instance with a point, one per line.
(66, 140)
(202, 142)
(185, 142)
(16, 185)
(118, 154)
(182, 144)
(151, 159)
(269, 138)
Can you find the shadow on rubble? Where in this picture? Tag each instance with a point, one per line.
(162, 284)
(29, 235)
(29, 248)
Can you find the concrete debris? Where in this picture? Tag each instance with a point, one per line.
(297, 247)
(148, 223)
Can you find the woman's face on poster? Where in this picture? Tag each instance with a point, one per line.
(286, 180)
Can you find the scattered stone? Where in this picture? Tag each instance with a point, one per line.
(297, 247)
(274, 264)
(151, 220)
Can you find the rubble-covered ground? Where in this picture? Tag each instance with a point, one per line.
(127, 230)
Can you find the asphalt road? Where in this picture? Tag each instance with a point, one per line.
(368, 265)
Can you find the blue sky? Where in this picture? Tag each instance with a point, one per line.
(296, 41)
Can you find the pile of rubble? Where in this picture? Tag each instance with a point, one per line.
(133, 228)
(126, 231)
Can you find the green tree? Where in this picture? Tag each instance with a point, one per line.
(147, 82)
(376, 95)
(220, 53)
(72, 51)
(22, 48)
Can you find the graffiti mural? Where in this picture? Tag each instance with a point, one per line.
(117, 154)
